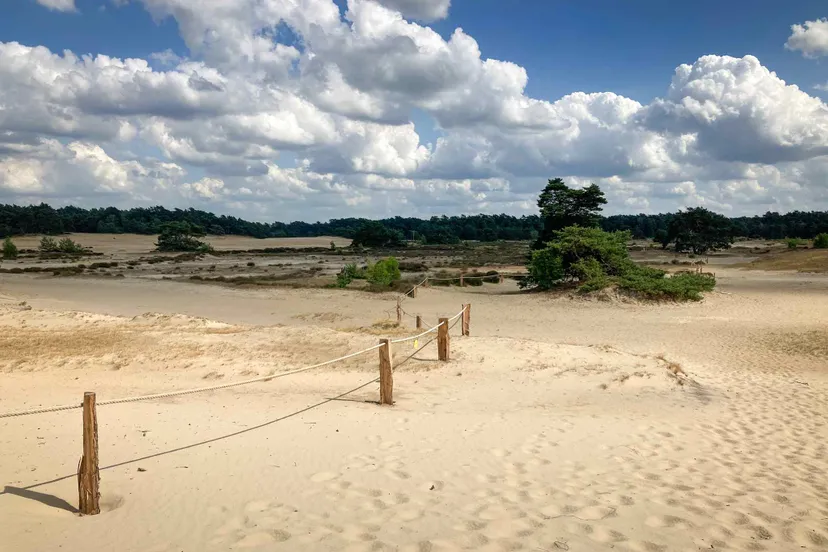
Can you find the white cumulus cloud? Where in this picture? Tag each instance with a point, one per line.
(318, 122)
(59, 5)
(811, 38)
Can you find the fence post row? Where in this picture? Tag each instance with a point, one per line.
(386, 373)
(443, 340)
(88, 474)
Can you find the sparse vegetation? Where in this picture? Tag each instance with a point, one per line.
(182, 236)
(593, 260)
(9, 249)
(821, 241)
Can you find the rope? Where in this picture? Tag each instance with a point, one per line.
(412, 338)
(189, 391)
(222, 386)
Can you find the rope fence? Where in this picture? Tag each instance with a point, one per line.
(88, 468)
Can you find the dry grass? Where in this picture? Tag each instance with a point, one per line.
(813, 343)
(800, 260)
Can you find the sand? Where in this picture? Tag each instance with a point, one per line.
(557, 425)
(133, 243)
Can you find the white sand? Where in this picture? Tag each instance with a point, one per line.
(556, 426)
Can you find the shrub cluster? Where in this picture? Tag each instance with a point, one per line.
(596, 260)
(65, 245)
(821, 241)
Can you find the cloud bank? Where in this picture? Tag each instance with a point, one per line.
(296, 110)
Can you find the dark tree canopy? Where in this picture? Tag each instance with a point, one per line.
(562, 206)
(42, 219)
(699, 230)
(181, 236)
(376, 234)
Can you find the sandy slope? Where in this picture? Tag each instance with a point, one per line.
(556, 426)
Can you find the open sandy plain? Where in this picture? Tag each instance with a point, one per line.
(559, 424)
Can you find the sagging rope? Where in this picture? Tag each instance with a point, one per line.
(189, 391)
(212, 387)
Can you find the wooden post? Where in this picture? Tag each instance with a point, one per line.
(88, 475)
(414, 292)
(399, 313)
(462, 282)
(386, 375)
(419, 322)
(466, 319)
(501, 278)
(443, 340)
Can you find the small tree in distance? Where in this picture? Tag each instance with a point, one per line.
(699, 230)
(9, 249)
(182, 236)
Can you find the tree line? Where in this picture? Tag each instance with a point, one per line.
(44, 219)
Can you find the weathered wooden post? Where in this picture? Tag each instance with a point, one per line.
(414, 292)
(88, 475)
(419, 322)
(466, 319)
(462, 281)
(386, 374)
(399, 313)
(501, 278)
(443, 340)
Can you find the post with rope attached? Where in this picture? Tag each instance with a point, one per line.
(414, 292)
(88, 474)
(466, 319)
(500, 278)
(419, 322)
(399, 313)
(386, 374)
(462, 281)
(443, 340)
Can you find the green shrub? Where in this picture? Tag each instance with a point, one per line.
(182, 236)
(681, 287)
(545, 270)
(9, 249)
(595, 260)
(792, 243)
(821, 241)
(384, 272)
(66, 245)
(48, 245)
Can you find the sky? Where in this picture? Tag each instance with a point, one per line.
(317, 109)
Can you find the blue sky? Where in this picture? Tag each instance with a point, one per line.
(630, 48)
(733, 137)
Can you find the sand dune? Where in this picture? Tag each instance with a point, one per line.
(558, 425)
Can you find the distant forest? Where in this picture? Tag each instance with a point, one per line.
(43, 219)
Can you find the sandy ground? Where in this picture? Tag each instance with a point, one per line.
(558, 425)
(133, 243)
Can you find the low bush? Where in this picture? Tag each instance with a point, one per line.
(595, 260)
(792, 243)
(821, 241)
(9, 249)
(384, 272)
(409, 266)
